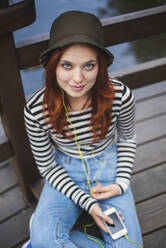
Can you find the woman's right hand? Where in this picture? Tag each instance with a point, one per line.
(99, 217)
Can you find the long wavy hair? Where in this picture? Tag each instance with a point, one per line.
(102, 98)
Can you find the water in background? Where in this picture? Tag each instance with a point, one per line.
(126, 54)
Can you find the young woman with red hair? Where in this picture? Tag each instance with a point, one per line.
(81, 128)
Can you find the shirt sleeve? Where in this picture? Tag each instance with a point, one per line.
(43, 152)
(126, 139)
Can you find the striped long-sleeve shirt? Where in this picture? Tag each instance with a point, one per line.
(43, 140)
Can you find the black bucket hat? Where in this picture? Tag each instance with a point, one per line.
(73, 27)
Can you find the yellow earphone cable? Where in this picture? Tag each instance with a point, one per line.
(134, 243)
(85, 227)
(78, 145)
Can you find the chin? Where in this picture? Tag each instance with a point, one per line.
(76, 94)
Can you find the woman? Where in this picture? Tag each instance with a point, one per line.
(72, 123)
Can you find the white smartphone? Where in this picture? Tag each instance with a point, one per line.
(118, 229)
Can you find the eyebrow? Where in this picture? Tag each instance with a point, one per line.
(89, 61)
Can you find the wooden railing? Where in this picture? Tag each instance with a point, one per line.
(118, 29)
(12, 98)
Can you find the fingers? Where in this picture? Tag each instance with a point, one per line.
(98, 188)
(108, 220)
(100, 192)
(101, 196)
(120, 213)
(100, 223)
(100, 219)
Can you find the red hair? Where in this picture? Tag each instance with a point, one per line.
(102, 98)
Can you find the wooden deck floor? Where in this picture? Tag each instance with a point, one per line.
(148, 181)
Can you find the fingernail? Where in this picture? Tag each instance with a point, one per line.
(111, 222)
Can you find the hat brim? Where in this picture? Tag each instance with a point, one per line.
(71, 40)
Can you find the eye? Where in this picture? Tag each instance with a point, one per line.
(89, 66)
(66, 66)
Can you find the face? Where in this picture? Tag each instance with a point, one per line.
(77, 71)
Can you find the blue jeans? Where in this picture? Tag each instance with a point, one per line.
(55, 214)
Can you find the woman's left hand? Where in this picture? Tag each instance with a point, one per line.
(100, 192)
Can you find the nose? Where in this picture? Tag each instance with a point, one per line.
(77, 75)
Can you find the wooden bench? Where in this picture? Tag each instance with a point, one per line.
(148, 182)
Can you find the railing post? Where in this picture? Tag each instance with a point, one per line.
(4, 3)
(12, 103)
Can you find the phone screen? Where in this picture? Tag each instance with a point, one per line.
(117, 224)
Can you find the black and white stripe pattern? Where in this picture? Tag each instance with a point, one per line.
(43, 140)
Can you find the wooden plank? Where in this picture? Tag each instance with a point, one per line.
(150, 154)
(6, 151)
(37, 188)
(142, 74)
(17, 228)
(11, 202)
(150, 91)
(8, 179)
(134, 25)
(5, 163)
(156, 239)
(151, 107)
(17, 16)
(149, 183)
(152, 214)
(128, 27)
(151, 129)
(28, 55)
(3, 137)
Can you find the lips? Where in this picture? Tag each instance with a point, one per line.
(76, 88)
